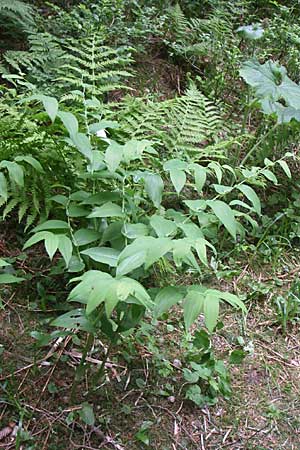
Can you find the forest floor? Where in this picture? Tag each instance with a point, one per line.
(132, 409)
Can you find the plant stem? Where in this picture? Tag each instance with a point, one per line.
(78, 373)
(271, 130)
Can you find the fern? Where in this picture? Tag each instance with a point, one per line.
(16, 9)
(93, 68)
(23, 188)
(37, 66)
(179, 125)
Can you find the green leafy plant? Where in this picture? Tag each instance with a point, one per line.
(120, 237)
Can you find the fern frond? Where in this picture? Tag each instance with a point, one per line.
(17, 8)
(180, 125)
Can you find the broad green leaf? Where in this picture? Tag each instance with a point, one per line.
(135, 230)
(156, 250)
(270, 81)
(251, 196)
(3, 263)
(15, 172)
(3, 187)
(165, 299)
(51, 244)
(192, 307)
(131, 263)
(66, 248)
(77, 211)
(91, 281)
(211, 311)
(221, 189)
(111, 299)
(83, 144)
(101, 197)
(232, 299)
(109, 209)
(225, 215)
(269, 175)
(69, 121)
(76, 318)
(32, 161)
(104, 255)
(52, 225)
(154, 187)
(175, 164)
(200, 247)
(37, 237)
(196, 205)
(162, 226)
(191, 230)
(85, 236)
(181, 249)
(6, 278)
(178, 178)
(50, 104)
(200, 177)
(98, 293)
(113, 156)
(283, 165)
(217, 169)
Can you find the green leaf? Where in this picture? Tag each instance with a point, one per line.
(165, 299)
(69, 121)
(37, 237)
(50, 104)
(6, 278)
(104, 255)
(269, 175)
(283, 165)
(86, 236)
(270, 80)
(52, 225)
(83, 144)
(154, 187)
(251, 196)
(87, 414)
(156, 249)
(200, 247)
(66, 248)
(225, 215)
(195, 205)
(131, 263)
(109, 209)
(135, 230)
(162, 226)
(51, 244)
(200, 177)
(32, 161)
(74, 319)
(113, 156)
(15, 172)
(192, 307)
(211, 311)
(3, 263)
(178, 178)
(221, 189)
(3, 187)
(237, 357)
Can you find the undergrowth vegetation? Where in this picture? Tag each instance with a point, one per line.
(130, 215)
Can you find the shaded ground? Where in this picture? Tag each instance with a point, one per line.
(131, 408)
